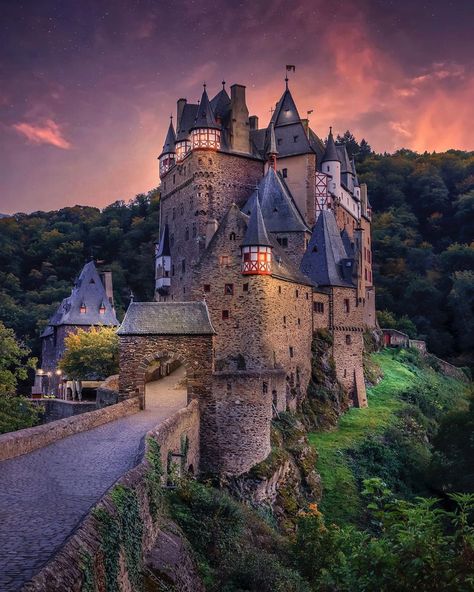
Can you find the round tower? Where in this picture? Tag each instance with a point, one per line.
(256, 246)
(167, 157)
(331, 165)
(206, 133)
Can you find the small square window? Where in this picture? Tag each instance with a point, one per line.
(207, 287)
(224, 259)
(284, 173)
(348, 339)
(282, 241)
(245, 287)
(225, 315)
(318, 307)
(229, 289)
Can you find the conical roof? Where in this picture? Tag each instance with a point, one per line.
(164, 244)
(279, 210)
(326, 253)
(330, 154)
(285, 112)
(88, 291)
(204, 115)
(270, 142)
(170, 140)
(220, 104)
(256, 234)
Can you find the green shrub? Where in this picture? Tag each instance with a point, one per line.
(17, 413)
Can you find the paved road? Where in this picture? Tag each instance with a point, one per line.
(45, 494)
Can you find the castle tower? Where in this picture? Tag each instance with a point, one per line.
(163, 263)
(331, 165)
(256, 246)
(205, 133)
(167, 157)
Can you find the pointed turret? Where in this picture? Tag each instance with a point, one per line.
(331, 165)
(271, 151)
(355, 180)
(163, 263)
(326, 261)
(205, 132)
(330, 154)
(167, 157)
(256, 246)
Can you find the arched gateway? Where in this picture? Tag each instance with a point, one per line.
(167, 333)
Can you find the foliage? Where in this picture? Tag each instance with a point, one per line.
(412, 546)
(17, 413)
(122, 529)
(14, 361)
(91, 354)
(235, 549)
(389, 439)
(154, 477)
(41, 254)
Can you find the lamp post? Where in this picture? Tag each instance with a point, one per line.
(58, 374)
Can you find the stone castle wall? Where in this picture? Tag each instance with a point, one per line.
(195, 195)
(68, 569)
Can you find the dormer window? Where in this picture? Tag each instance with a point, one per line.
(102, 309)
(83, 308)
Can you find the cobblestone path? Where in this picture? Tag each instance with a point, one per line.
(45, 494)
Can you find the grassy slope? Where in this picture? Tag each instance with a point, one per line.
(341, 501)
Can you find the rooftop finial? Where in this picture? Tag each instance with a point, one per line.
(286, 82)
(204, 85)
(223, 84)
(330, 130)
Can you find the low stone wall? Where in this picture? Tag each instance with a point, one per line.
(23, 441)
(448, 369)
(55, 409)
(82, 562)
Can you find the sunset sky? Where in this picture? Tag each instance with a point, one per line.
(87, 86)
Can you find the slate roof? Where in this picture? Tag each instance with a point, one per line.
(330, 154)
(326, 253)
(354, 172)
(164, 244)
(204, 114)
(168, 146)
(90, 291)
(186, 122)
(344, 158)
(256, 234)
(285, 112)
(221, 103)
(270, 141)
(279, 210)
(166, 318)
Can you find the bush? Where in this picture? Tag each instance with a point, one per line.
(17, 413)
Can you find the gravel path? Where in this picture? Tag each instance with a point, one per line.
(45, 494)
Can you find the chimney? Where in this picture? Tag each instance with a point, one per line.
(181, 104)
(106, 277)
(239, 125)
(253, 121)
(305, 124)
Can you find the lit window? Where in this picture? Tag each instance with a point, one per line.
(224, 259)
(83, 308)
(229, 289)
(102, 309)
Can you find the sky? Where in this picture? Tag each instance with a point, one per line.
(87, 86)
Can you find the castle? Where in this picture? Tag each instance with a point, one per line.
(268, 229)
(265, 239)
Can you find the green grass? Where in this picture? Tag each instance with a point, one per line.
(341, 501)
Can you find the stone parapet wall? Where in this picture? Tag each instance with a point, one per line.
(23, 441)
(83, 552)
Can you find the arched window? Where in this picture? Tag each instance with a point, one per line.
(232, 236)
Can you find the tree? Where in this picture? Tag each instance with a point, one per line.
(91, 355)
(14, 361)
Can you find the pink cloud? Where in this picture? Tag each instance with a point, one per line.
(47, 132)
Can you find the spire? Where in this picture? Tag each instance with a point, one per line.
(168, 146)
(256, 234)
(331, 152)
(271, 150)
(286, 112)
(205, 116)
